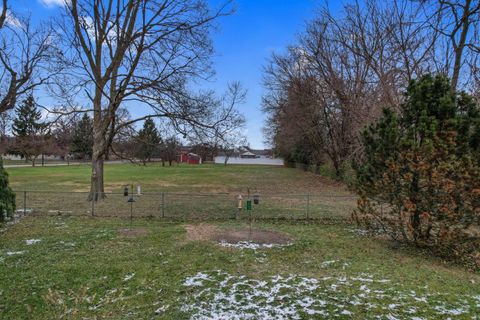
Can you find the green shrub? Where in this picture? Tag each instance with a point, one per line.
(7, 197)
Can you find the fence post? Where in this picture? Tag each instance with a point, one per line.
(24, 203)
(93, 204)
(308, 205)
(163, 204)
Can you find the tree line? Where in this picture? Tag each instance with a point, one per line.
(387, 94)
(347, 66)
(31, 136)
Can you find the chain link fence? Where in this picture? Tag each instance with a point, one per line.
(188, 206)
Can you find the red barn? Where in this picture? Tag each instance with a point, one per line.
(190, 158)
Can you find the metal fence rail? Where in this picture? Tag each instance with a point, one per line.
(187, 206)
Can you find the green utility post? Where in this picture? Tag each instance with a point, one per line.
(249, 204)
(249, 209)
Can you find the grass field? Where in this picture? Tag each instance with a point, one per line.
(208, 178)
(184, 192)
(84, 268)
(77, 267)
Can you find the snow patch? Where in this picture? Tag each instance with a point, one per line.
(128, 276)
(220, 295)
(14, 253)
(252, 245)
(32, 241)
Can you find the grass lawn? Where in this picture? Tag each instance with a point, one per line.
(84, 268)
(283, 191)
(207, 178)
(78, 267)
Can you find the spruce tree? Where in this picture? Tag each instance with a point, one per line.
(7, 197)
(27, 120)
(82, 140)
(148, 140)
(419, 178)
(30, 133)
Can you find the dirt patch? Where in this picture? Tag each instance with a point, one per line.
(254, 236)
(210, 232)
(133, 232)
(200, 232)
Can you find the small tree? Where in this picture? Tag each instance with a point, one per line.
(7, 197)
(148, 140)
(31, 135)
(169, 150)
(82, 140)
(231, 141)
(419, 179)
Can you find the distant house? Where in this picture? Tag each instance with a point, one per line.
(189, 157)
(248, 155)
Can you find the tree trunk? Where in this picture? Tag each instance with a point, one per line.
(465, 24)
(97, 191)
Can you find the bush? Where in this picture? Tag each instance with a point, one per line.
(419, 177)
(7, 197)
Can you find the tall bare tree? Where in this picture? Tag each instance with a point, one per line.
(133, 53)
(24, 54)
(458, 22)
(347, 66)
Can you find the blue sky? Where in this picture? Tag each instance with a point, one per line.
(243, 44)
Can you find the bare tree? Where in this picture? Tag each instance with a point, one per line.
(226, 133)
(140, 52)
(458, 22)
(24, 54)
(347, 66)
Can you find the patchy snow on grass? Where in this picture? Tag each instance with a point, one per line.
(68, 244)
(252, 245)
(162, 309)
(196, 281)
(128, 276)
(29, 242)
(14, 253)
(326, 264)
(220, 295)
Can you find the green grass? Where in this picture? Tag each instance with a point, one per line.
(85, 268)
(183, 178)
(283, 191)
(81, 269)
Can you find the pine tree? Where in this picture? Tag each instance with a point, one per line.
(148, 140)
(30, 133)
(82, 140)
(7, 197)
(27, 120)
(419, 179)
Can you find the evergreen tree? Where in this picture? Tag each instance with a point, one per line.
(27, 120)
(7, 197)
(419, 179)
(31, 135)
(82, 140)
(148, 140)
